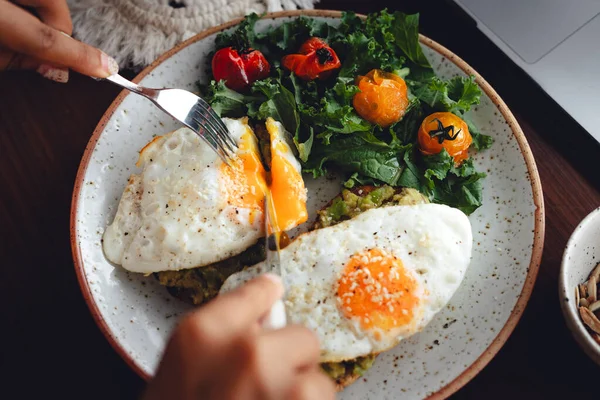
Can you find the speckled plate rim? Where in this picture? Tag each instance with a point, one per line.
(538, 240)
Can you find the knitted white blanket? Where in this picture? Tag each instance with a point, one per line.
(136, 32)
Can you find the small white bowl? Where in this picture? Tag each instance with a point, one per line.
(581, 255)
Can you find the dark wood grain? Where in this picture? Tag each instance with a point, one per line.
(50, 344)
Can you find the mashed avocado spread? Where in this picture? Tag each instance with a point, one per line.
(351, 203)
(339, 370)
(198, 285)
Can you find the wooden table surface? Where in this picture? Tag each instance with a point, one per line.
(50, 344)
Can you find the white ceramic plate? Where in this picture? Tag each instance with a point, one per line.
(137, 315)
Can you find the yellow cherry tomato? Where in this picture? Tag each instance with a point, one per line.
(382, 99)
(444, 130)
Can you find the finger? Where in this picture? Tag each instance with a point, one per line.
(23, 33)
(11, 60)
(7, 59)
(293, 346)
(14, 61)
(237, 311)
(54, 13)
(313, 384)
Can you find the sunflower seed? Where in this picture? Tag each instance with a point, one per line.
(583, 291)
(583, 303)
(596, 273)
(590, 319)
(594, 306)
(592, 289)
(577, 297)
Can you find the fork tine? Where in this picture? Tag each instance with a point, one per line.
(217, 122)
(200, 129)
(215, 148)
(219, 135)
(226, 134)
(218, 141)
(229, 146)
(208, 134)
(219, 128)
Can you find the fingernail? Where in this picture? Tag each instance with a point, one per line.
(277, 281)
(55, 74)
(109, 65)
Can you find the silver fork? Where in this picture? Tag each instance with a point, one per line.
(190, 110)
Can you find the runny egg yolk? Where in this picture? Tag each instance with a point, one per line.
(287, 186)
(243, 182)
(376, 290)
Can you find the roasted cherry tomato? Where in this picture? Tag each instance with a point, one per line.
(444, 130)
(382, 99)
(239, 69)
(316, 60)
(312, 44)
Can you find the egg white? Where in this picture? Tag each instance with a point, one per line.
(433, 242)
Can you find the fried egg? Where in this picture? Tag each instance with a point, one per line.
(365, 284)
(187, 208)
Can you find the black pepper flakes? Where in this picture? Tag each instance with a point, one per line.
(447, 324)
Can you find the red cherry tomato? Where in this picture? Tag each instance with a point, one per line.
(312, 44)
(316, 60)
(239, 69)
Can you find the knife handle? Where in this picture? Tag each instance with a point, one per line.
(276, 318)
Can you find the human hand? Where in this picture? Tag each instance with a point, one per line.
(220, 352)
(44, 44)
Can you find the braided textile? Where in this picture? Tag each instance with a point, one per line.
(136, 32)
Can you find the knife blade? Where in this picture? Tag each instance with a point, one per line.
(276, 319)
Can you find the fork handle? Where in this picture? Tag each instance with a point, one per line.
(117, 79)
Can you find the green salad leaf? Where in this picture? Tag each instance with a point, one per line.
(480, 141)
(288, 37)
(227, 102)
(242, 37)
(354, 154)
(458, 187)
(334, 113)
(456, 95)
(406, 32)
(463, 93)
(280, 104)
